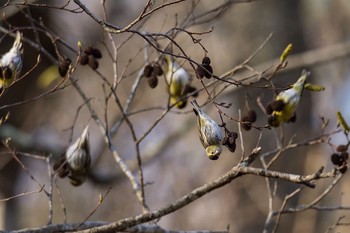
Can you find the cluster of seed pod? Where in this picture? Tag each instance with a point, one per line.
(90, 56)
(339, 159)
(248, 119)
(151, 72)
(206, 70)
(230, 141)
(63, 66)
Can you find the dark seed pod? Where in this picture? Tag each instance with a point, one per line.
(63, 67)
(246, 123)
(88, 50)
(206, 61)
(251, 116)
(157, 69)
(342, 148)
(147, 71)
(96, 53)
(336, 159)
(232, 147)
(343, 169)
(233, 135)
(231, 140)
(208, 71)
(152, 81)
(247, 126)
(84, 59)
(277, 105)
(200, 72)
(224, 141)
(93, 63)
(344, 156)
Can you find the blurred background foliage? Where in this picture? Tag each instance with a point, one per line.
(180, 165)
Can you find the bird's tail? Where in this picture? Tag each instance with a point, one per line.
(84, 134)
(17, 44)
(196, 107)
(168, 59)
(299, 85)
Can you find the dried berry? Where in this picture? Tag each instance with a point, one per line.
(251, 115)
(343, 169)
(88, 50)
(224, 140)
(96, 53)
(200, 72)
(152, 81)
(147, 71)
(233, 135)
(344, 156)
(342, 148)
(230, 141)
(84, 59)
(336, 159)
(246, 123)
(157, 69)
(206, 61)
(63, 67)
(93, 63)
(247, 126)
(208, 71)
(232, 147)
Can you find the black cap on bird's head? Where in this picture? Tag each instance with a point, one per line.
(213, 157)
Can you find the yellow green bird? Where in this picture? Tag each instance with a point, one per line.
(178, 80)
(283, 108)
(11, 63)
(209, 132)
